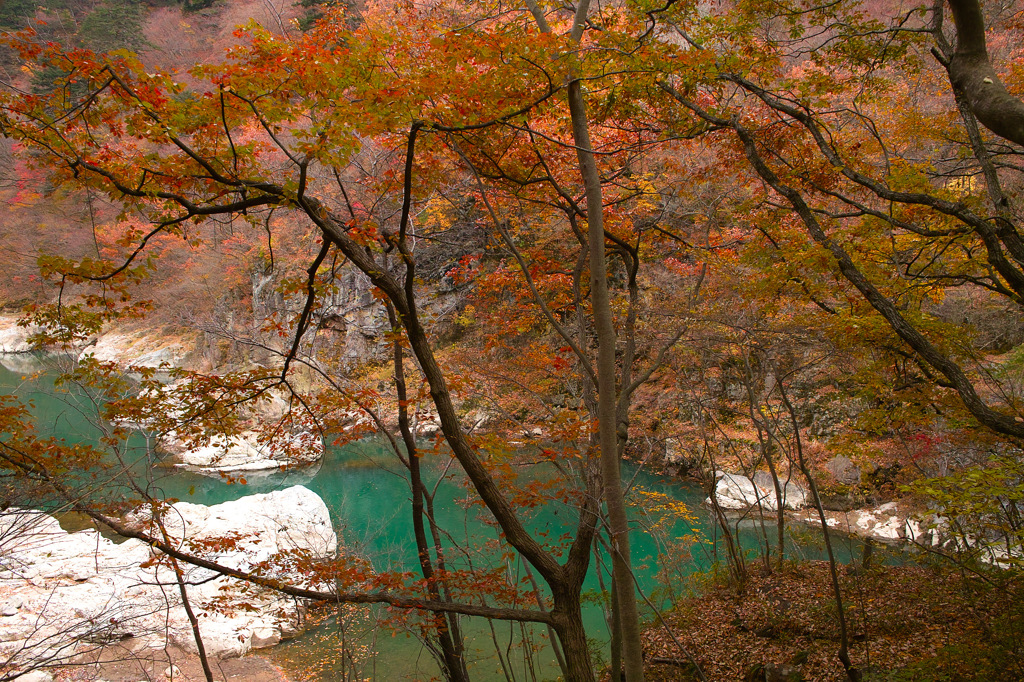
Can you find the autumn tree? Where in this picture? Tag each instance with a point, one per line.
(898, 207)
(554, 121)
(972, 75)
(310, 106)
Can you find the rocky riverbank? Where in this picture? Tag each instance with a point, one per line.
(65, 596)
(247, 452)
(891, 522)
(14, 338)
(140, 348)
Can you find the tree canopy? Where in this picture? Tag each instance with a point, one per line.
(635, 197)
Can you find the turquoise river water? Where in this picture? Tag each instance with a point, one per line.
(368, 498)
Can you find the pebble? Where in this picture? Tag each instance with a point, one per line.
(11, 606)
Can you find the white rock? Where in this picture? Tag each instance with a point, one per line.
(673, 452)
(246, 453)
(138, 350)
(931, 531)
(477, 419)
(11, 606)
(14, 339)
(264, 637)
(877, 524)
(90, 589)
(735, 492)
(793, 495)
(844, 470)
(356, 421)
(294, 518)
(426, 423)
(36, 676)
(740, 493)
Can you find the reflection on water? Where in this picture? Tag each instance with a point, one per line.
(369, 502)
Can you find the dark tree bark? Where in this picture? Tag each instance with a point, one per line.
(447, 633)
(971, 72)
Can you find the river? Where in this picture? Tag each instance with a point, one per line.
(368, 497)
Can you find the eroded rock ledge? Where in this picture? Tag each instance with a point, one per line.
(890, 522)
(246, 452)
(64, 594)
(740, 493)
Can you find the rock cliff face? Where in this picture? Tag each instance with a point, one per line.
(128, 349)
(63, 594)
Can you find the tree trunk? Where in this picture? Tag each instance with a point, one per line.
(572, 635)
(446, 636)
(607, 394)
(853, 674)
(970, 71)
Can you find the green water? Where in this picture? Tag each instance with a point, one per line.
(368, 498)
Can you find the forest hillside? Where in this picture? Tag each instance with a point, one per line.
(770, 250)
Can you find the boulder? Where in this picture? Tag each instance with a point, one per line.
(674, 453)
(77, 591)
(679, 460)
(247, 451)
(426, 424)
(740, 493)
(14, 339)
(477, 419)
(843, 470)
(930, 531)
(734, 491)
(880, 523)
(886, 522)
(265, 637)
(794, 495)
(264, 525)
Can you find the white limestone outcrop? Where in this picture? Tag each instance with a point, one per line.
(736, 492)
(248, 452)
(884, 522)
(65, 593)
(137, 350)
(889, 522)
(928, 531)
(281, 442)
(13, 338)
